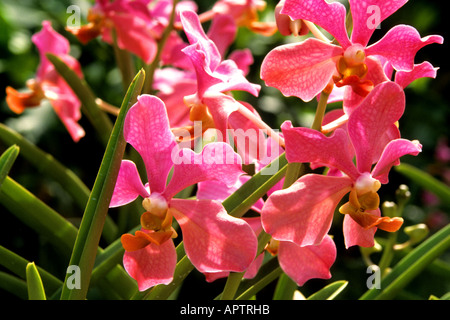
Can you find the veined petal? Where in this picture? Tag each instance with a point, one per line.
(368, 14)
(308, 145)
(217, 161)
(213, 240)
(356, 235)
(300, 69)
(151, 265)
(400, 45)
(128, 185)
(391, 156)
(425, 69)
(375, 115)
(303, 212)
(147, 129)
(330, 16)
(196, 35)
(310, 262)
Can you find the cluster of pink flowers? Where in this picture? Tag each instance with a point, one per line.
(357, 144)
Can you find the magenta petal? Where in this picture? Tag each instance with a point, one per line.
(355, 235)
(303, 212)
(214, 241)
(308, 145)
(300, 69)
(128, 185)
(310, 262)
(330, 16)
(49, 41)
(147, 129)
(151, 265)
(217, 161)
(222, 32)
(67, 107)
(196, 36)
(425, 69)
(368, 14)
(391, 155)
(133, 34)
(375, 115)
(400, 45)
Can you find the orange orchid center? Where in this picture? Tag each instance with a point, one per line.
(156, 222)
(364, 198)
(351, 70)
(93, 29)
(272, 247)
(19, 101)
(200, 115)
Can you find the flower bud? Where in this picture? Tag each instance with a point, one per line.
(417, 232)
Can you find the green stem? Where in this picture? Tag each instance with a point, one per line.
(14, 285)
(150, 69)
(34, 283)
(231, 286)
(85, 248)
(285, 288)
(7, 160)
(124, 62)
(411, 266)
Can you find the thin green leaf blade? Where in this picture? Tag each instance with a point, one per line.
(34, 283)
(7, 160)
(85, 249)
(89, 107)
(330, 291)
(411, 266)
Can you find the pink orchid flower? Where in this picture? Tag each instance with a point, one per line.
(48, 84)
(136, 25)
(213, 240)
(215, 77)
(299, 263)
(177, 79)
(305, 69)
(303, 212)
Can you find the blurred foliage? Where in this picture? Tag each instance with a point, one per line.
(426, 119)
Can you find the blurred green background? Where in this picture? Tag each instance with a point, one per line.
(426, 119)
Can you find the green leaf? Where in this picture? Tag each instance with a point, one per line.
(411, 266)
(34, 283)
(6, 161)
(85, 249)
(89, 107)
(16, 264)
(330, 291)
(425, 180)
(47, 165)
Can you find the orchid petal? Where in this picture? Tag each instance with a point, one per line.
(220, 106)
(368, 14)
(303, 212)
(391, 155)
(376, 114)
(310, 262)
(355, 235)
(151, 265)
(400, 45)
(222, 32)
(196, 36)
(217, 161)
(308, 145)
(330, 16)
(128, 185)
(147, 129)
(425, 69)
(49, 41)
(213, 240)
(300, 69)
